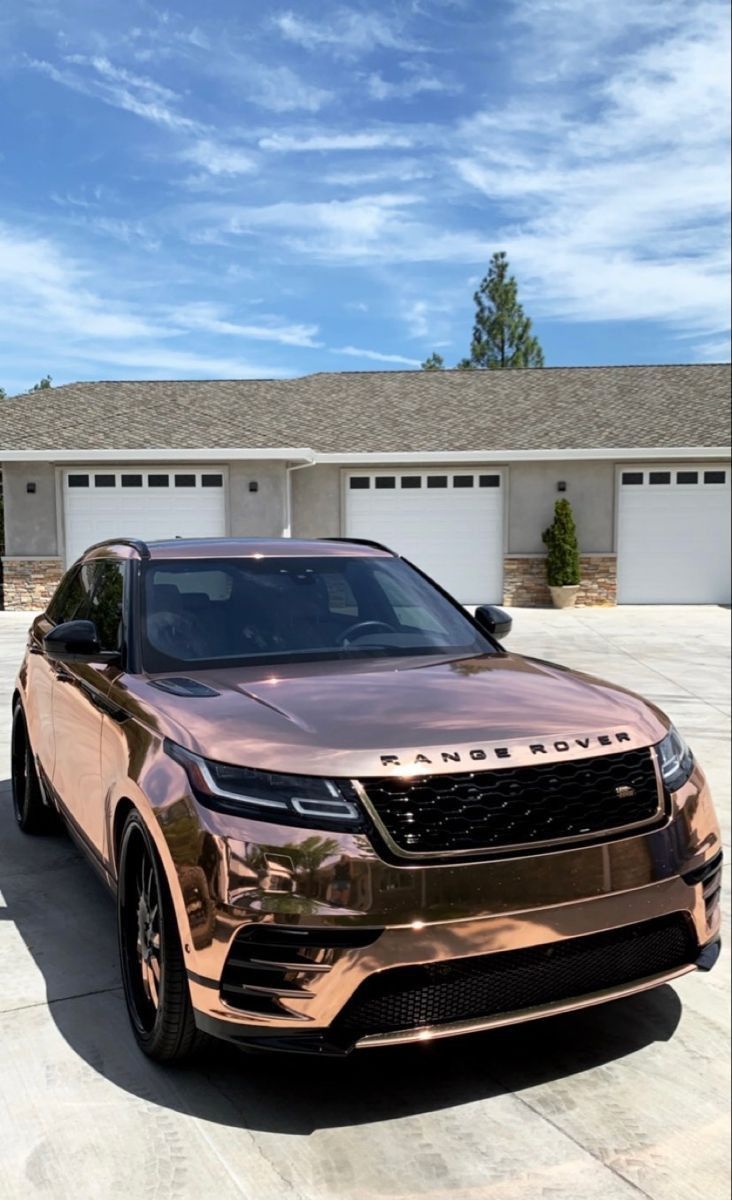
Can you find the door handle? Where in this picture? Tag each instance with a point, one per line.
(63, 675)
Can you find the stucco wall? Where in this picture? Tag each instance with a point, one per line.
(260, 513)
(533, 491)
(30, 518)
(316, 502)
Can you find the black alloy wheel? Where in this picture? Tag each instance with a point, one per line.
(31, 812)
(153, 971)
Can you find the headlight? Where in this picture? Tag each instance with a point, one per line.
(284, 799)
(675, 760)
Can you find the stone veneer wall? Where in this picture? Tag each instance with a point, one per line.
(525, 586)
(29, 583)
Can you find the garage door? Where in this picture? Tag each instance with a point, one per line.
(449, 522)
(674, 535)
(156, 502)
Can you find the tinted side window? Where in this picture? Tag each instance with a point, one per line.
(72, 596)
(106, 603)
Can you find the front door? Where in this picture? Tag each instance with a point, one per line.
(79, 701)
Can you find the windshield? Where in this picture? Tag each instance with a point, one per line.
(229, 612)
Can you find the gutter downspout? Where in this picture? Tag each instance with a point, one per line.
(287, 531)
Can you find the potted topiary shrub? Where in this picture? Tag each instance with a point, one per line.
(562, 560)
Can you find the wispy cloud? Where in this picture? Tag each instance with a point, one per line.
(119, 89)
(346, 32)
(378, 139)
(418, 80)
(377, 356)
(54, 312)
(396, 170)
(208, 317)
(219, 158)
(616, 199)
(279, 89)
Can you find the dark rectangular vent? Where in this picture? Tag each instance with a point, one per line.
(465, 989)
(268, 965)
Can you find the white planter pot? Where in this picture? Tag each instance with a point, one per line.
(564, 597)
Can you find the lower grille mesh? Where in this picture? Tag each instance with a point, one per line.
(464, 989)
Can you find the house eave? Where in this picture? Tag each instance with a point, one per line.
(303, 454)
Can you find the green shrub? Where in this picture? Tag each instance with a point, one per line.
(560, 539)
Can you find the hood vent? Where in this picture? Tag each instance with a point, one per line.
(181, 686)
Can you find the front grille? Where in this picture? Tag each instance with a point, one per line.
(486, 810)
(507, 982)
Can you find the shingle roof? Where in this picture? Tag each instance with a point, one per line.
(385, 411)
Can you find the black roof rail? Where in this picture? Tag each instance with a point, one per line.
(136, 544)
(361, 542)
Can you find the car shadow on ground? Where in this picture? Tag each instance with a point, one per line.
(66, 921)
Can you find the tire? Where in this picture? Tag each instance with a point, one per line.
(31, 811)
(153, 970)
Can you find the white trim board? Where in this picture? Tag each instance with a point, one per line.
(304, 454)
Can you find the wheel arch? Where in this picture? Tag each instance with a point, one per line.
(127, 799)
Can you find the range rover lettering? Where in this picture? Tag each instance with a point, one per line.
(337, 814)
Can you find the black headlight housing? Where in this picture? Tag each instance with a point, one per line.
(675, 760)
(306, 801)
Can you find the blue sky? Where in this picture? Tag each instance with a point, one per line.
(247, 189)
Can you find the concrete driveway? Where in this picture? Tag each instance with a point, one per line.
(624, 1101)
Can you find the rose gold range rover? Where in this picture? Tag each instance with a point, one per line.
(337, 814)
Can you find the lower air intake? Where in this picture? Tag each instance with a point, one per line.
(463, 989)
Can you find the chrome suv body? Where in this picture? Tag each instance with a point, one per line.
(337, 813)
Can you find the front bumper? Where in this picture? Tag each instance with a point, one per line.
(407, 916)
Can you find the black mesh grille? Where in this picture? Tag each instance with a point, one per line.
(484, 810)
(474, 988)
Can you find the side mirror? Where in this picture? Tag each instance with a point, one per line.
(73, 641)
(494, 620)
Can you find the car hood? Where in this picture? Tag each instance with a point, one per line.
(360, 720)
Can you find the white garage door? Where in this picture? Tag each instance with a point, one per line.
(674, 535)
(447, 521)
(148, 503)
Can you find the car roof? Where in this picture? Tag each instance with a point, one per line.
(236, 548)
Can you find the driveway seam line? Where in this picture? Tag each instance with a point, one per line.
(60, 1000)
(585, 1149)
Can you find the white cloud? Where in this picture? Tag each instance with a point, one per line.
(41, 289)
(416, 317)
(160, 362)
(365, 230)
(399, 170)
(120, 89)
(616, 196)
(367, 140)
(377, 356)
(219, 158)
(279, 89)
(208, 317)
(346, 32)
(419, 80)
(51, 313)
(714, 351)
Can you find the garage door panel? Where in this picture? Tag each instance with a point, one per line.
(151, 504)
(454, 534)
(674, 535)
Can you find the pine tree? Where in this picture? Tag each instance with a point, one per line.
(435, 362)
(502, 334)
